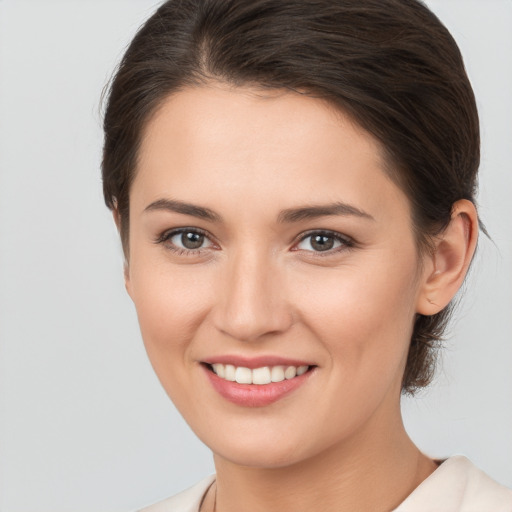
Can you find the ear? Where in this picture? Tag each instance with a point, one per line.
(127, 280)
(446, 268)
(117, 219)
(126, 268)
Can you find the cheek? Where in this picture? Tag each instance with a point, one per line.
(364, 319)
(170, 307)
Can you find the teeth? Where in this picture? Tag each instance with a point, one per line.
(243, 375)
(220, 370)
(290, 372)
(260, 376)
(302, 369)
(229, 372)
(277, 373)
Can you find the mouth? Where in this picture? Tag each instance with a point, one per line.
(258, 386)
(257, 376)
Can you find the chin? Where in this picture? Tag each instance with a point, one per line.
(259, 457)
(249, 449)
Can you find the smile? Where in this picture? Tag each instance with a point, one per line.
(258, 376)
(258, 386)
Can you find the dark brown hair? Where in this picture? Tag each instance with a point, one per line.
(389, 64)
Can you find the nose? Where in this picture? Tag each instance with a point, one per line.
(252, 301)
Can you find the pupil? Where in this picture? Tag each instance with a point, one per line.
(192, 240)
(322, 242)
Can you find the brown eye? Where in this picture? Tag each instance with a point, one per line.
(187, 240)
(191, 240)
(323, 242)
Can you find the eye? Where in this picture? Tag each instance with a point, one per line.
(322, 241)
(188, 240)
(185, 240)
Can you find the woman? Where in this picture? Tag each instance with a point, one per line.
(294, 187)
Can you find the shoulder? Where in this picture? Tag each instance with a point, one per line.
(458, 486)
(186, 501)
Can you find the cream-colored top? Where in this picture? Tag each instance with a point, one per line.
(456, 486)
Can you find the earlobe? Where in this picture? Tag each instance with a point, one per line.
(117, 219)
(450, 261)
(126, 268)
(127, 281)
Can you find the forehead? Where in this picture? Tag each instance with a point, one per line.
(219, 141)
(220, 113)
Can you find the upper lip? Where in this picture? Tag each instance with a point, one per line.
(256, 362)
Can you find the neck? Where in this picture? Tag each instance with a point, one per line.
(375, 470)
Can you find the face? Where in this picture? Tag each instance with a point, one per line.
(266, 241)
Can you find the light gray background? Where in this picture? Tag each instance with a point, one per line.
(84, 424)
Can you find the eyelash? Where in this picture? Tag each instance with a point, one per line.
(346, 243)
(168, 235)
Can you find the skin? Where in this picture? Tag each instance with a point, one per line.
(258, 287)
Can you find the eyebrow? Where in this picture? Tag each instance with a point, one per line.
(315, 211)
(289, 215)
(175, 206)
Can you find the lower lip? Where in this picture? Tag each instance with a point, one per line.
(255, 395)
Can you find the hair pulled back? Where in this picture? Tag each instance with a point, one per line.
(389, 64)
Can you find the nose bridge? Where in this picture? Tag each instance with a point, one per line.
(253, 301)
